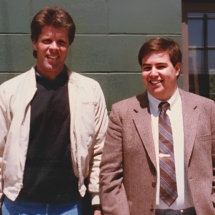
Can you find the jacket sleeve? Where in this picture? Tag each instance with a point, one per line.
(113, 196)
(213, 149)
(101, 123)
(4, 124)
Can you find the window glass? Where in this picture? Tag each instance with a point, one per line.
(211, 32)
(196, 61)
(211, 62)
(194, 37)
(201, 53)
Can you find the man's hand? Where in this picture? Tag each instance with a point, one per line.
(97, 212)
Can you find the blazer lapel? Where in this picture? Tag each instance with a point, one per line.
(190, 121)
(142, 121)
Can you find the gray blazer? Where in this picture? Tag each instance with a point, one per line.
(128, 167)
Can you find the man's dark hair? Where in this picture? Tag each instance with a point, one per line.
(55, 17)
(161, 44)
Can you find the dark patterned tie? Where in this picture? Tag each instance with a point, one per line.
(168, 186)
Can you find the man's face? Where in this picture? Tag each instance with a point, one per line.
(52, 48)
(159, 75)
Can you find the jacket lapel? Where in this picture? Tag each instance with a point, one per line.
(74, 114)
(31, 83)
(72, 89)
(142, 121)
(190, 122)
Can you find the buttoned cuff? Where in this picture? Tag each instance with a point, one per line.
(95, 198)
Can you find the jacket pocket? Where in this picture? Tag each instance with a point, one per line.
(88, 122)
(203, 138)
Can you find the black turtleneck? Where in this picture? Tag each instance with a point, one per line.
(48, 175)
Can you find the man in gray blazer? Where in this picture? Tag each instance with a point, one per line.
(134, 170)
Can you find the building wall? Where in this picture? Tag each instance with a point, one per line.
(108, 37)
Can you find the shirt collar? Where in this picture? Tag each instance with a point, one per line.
(60, 80)
(153, 102)
(59, 76)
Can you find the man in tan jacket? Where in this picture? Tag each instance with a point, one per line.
(159, 161)
(52, 127)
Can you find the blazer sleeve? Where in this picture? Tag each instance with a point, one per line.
(113, 195)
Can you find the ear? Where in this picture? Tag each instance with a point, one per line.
(177, 68)
(34, 43)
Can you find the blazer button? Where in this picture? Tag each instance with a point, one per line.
(153, 184)
(152, 208)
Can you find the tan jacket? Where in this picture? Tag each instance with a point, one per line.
(128, 167)
(88, 126)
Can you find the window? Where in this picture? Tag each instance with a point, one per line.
(198, 35)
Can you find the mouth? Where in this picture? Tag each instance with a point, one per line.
(52, 57)
(155, 82)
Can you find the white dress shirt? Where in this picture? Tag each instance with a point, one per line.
(176, 118)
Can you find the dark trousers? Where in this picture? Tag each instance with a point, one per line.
(86, 204)
(188, 211)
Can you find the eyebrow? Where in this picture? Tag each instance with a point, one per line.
(146, 64)
(160, 63)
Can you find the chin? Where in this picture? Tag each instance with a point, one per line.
(158, 95)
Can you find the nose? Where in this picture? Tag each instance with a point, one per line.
(153, 72)
(53, 45)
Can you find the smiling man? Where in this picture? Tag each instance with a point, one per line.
(52, 127)
(157, 157)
